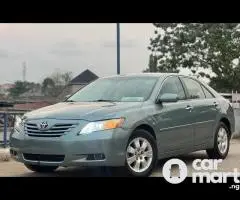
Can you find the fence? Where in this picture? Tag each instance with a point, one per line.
(234, 98)
(8, 120)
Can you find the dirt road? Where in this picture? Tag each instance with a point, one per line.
(12, 168)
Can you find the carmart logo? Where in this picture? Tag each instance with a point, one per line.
(175, 171)
(174, 165)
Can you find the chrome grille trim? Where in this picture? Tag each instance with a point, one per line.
(57, 130)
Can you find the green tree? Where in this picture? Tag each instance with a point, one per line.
(53, 85)
(66, 77)
(198, 47)
(19, 88)
(152, 65)
(48, 86)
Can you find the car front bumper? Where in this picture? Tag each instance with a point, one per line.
(103, 148)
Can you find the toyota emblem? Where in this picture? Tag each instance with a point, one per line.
(43, 125)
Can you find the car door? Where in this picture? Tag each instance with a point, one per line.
(204, 111)
(174, 120)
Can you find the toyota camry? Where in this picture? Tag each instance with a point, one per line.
(128, 121)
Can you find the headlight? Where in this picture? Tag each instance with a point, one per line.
(18, 123)
(102, 125)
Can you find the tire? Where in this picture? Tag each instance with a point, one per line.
(143, 161)
(215, 152)
(41, 169)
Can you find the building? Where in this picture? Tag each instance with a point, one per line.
(4, 89)
(77, 83)
(31, 105)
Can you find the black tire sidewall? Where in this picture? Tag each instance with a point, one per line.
(220, 155)
(146, 135)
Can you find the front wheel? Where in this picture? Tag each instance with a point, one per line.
(141, 154)
(41, 169)
(221, 143)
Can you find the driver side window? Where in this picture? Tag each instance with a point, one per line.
(174, 86)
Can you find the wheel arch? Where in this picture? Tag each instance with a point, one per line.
(145, 127)
(227, 123)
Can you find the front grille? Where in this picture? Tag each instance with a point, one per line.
(43, 157)
(57, 130)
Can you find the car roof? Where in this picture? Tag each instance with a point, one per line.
(152, 74)
(145, 74)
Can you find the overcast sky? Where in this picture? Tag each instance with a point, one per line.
(71, 47)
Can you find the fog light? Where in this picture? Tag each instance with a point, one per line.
(99, 156)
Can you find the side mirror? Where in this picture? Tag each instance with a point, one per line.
(168, 97)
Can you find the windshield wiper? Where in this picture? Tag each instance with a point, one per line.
(103, 100)
(97, 100)
(70, 101)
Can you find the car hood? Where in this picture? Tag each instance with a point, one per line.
(83, 110)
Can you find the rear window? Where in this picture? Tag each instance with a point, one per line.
(207, 93)
(194, 88)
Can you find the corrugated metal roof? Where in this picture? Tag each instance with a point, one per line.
(31, 106)
(84, 78)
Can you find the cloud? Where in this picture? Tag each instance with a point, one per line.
(67, 43)
(4, 53)
(66, 52)
(74, 47)
(67, 47)
(129, 43)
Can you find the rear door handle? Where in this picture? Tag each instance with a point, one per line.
(189, 107)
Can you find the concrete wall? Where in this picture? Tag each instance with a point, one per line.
(237, 122)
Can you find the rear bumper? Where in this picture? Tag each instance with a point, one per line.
(103, 148)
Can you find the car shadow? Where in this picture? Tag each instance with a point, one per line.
(79, 172)
(110, 172)
(188, 158)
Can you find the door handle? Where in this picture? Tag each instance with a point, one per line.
(189, 107)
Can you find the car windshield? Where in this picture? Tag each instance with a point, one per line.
(118, 89)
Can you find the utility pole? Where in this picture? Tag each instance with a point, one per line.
(24, 65)
(24, 71)
(118, 48)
